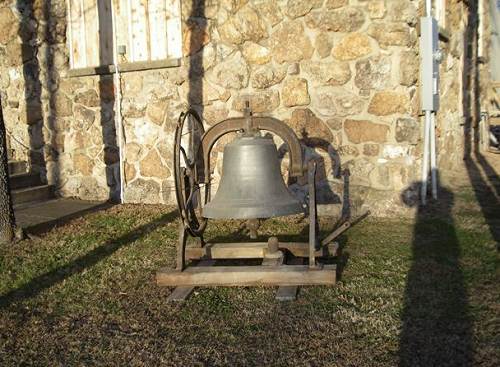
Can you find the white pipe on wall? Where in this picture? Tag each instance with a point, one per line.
(429, 136)
(425, 161)
(432, 129)
(428, 8)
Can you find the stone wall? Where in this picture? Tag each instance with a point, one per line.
(342, 73)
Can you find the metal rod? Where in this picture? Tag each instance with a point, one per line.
(432, 131)
(181, 248)
(312, 214)
(425, 162)
(337, 232)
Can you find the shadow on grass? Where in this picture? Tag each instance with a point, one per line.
(484, 179)
(53, 277)
(436, 323)
(46, 226)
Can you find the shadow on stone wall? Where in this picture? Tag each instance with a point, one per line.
(325, 194)
(107, 103)
(30, 28)
(197, 24)
(436, 323)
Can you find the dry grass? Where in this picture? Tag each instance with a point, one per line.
(410, 294)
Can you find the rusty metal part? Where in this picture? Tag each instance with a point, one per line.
(313, 222)
(342, 228)
(187, 162)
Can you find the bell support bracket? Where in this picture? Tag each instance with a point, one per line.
(272, 272)
(260, 123)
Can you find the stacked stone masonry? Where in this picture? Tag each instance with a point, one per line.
(342, 73)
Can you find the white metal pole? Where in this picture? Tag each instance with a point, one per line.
(432, 131)
(428, 8)
(425, 162)
(433, 154)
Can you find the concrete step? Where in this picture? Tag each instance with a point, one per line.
(41, 216)
(32, 194)
(16, 167)
(24, 180)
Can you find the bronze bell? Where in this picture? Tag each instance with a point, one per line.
(251, 185)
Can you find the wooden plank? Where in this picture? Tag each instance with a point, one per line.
(132, 66)
(180, 294)
(157, 29)
(105, 23)
(174, 28)
(139, 24)
(121, 17)
(254, 250)
(91, 32)
(228, 251)
(248, 276)
(77, 33)
(70, 32)
(273, 261)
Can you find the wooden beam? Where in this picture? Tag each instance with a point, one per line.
(254, 250)
(248, 276)
(289, 292)
(180, 294)
(126, 67)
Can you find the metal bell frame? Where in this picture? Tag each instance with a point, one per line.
(197, 173)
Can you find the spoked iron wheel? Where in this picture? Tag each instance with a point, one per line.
(188, 166)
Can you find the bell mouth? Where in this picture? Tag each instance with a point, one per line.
(253, 210)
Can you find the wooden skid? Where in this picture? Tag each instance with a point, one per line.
(180, 294)
(284, 275)
(287, 293)
(253, 250)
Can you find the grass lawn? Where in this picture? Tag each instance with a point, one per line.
(409, 294)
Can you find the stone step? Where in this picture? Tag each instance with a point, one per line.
(24, 180)
(17, 167)
(32, 194)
